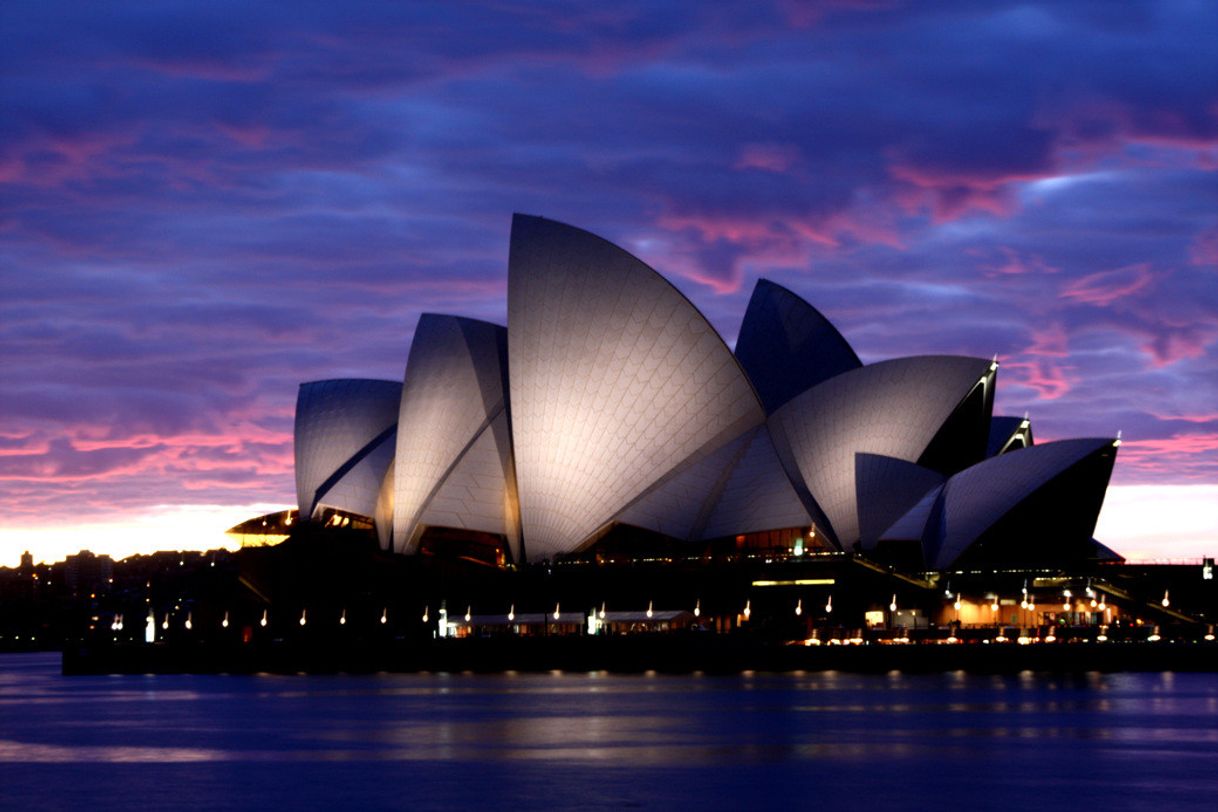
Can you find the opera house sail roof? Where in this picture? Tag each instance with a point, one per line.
(609, 401)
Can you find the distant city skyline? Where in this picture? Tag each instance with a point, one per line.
(205, 206)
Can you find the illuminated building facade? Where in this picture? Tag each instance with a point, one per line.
(609, 408)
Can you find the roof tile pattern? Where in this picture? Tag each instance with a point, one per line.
(453, 390)
(358, 489)
(476, 495)
(757, 495)
(677, 506)
(335, 420)
(892, 408)
(615, 379)
(886, 488)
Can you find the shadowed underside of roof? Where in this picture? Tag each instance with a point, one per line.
(787, 346)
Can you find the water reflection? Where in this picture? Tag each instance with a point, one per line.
(606, 740)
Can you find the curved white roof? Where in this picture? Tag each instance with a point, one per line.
(912, 525)
(758, 495)
(787, 346)
(678, 505)
(338, 424)
(976, 498)
(893, 408)
(454, 389)
(886, 488)
(615, 379)
(477, 493)
(357, 490)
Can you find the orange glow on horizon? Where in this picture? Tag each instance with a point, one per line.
(164, 527)
(1141, 522)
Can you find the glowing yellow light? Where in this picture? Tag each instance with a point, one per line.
(698, 608)
(557, 614)
(650, 613)
(798, 582)
(189, 624)
(829, 605)
(262, 622)
(1166, 600)
(224, 623)
(892, 607)
(748, 609)
(304, 617)
(511, 613)
(468, 614)
(384, 615)
(342, 618)
(799, 607)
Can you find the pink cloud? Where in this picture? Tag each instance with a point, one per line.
(1204, 250)
(1048, 379)
(254, 136)
(768, 157)
(1105, 287)
(1211, 417)
(1014, 264)
(951, 193)
(1037, 367)
(1189, 456)
(77, 156)
(257, 69)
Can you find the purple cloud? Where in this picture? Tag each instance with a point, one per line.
(203, 205)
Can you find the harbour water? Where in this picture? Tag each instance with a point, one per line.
(828, 740)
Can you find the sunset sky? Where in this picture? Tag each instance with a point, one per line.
(205, 204)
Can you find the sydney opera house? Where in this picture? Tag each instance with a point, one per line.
(610, 415)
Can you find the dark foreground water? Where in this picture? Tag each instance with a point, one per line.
(956, 742)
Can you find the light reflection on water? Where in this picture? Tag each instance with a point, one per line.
(1111, 741)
